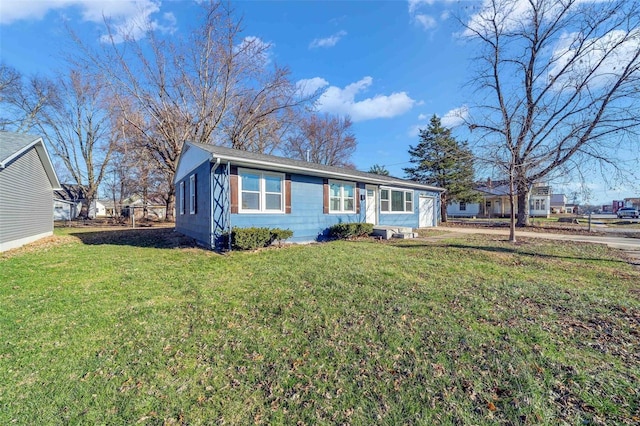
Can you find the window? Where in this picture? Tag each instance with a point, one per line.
(192, 194)
(396, 201)
(342, 197)
(261, 192)
(463, 206)
(181, 201)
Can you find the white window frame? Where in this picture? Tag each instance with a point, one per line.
(192, 194)
(404, 201)
(262, 192)
(463, 206)
(342, 183)
(181, 201)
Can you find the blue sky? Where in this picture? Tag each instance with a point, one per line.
(390, 65)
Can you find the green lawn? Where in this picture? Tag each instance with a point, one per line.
(128, 327)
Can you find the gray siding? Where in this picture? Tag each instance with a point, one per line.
(26, 199)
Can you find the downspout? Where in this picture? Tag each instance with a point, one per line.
(212, 173)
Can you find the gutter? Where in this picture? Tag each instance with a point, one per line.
(307, 171)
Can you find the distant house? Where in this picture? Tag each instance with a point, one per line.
(559, 204)
(219, 188)
(68, 201)
(495, 201)
(153, 207)
(27, 179)
(632, 202)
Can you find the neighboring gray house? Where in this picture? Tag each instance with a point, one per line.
(27, 179)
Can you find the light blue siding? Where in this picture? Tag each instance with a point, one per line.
(306, 220)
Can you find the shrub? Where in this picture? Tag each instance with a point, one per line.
(255, 238)
(250, 238)
(350, 230)
(280, 235)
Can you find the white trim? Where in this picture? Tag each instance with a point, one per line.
(404, 201)
(22, 241)
(181, 198)
(192, 194)
(262, 192)
(373, 209)
(342, 197)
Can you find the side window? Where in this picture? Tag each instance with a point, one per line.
(181, 199)
(192, 194)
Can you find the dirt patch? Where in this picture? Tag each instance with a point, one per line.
(43, 244)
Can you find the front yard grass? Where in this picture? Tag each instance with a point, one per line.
(131, 327)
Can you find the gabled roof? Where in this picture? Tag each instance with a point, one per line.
(273, 162)
(69, 192)
(13, 145)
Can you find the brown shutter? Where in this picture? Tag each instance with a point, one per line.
(357, 196)
(325, 195)
(287, 193)
(233, 183)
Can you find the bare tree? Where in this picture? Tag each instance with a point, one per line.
(75, 121)
(559, 83)
(323, 139)
(22, 100)
(212, 87)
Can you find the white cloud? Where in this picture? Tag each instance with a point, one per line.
(310, 86)
(328, 41)
(426, 21)
(416, 4)
(455, 117)
(342, 101)
(128, 17)
(451, 119)
(619, 46)
(133, 22)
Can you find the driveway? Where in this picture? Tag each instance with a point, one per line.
(627, 244)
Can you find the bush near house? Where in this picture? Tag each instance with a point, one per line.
(254, 238)
(343, 231)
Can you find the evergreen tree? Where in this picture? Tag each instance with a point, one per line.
(440, 160)
(379, 170)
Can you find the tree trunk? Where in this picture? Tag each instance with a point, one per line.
(443, 208)
(523, 205)
(171, 202)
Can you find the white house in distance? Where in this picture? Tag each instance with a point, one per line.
(495, 201)
(27, 181)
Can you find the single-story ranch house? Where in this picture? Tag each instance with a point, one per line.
(495, 201)
(219, 188)
(27, 181)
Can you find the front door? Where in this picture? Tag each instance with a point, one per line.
(426, 211)
(372, 204)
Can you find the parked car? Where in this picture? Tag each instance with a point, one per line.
(628, 212)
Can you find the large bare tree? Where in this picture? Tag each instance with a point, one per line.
(323, 139)
(558, 81)
(76, 123)
(22, 99)
(211, 87)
